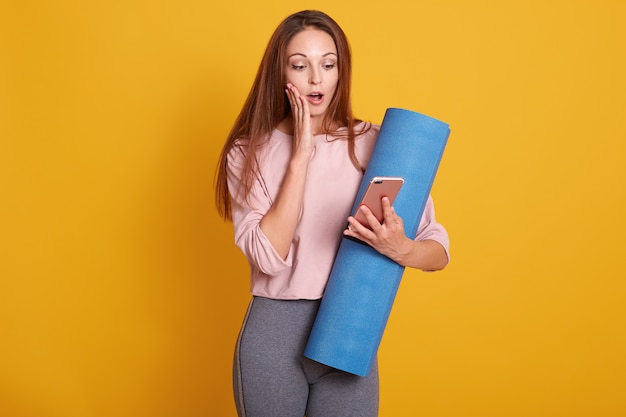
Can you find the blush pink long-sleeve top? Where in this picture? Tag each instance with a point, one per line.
(331, 185)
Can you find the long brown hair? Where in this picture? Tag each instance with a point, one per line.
(267, 104)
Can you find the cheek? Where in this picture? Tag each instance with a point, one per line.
(296, 79)
(335, 80)
(335, 85)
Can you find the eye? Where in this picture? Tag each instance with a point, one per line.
(298, 67)
(329, 66)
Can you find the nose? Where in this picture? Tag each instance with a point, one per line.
(315, 77)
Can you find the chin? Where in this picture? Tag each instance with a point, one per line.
(319, 113)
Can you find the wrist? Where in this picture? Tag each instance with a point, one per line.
(298, 166)
(405, 252)
(300, 159)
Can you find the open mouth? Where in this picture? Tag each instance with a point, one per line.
(315, 98)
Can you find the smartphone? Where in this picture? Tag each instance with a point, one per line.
(378, 188)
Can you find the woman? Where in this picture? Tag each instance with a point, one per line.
(287, 178)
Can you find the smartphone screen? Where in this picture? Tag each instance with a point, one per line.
(378, 188)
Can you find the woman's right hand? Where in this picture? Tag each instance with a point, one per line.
(280, 222)
(302, 132)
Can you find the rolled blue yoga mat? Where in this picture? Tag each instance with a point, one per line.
(363, 283)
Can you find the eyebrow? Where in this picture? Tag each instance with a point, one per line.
(303, 55)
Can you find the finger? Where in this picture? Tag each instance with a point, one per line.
(357, 229)
(296, 94)
(305, 107)
(388, 213)
(397, 218)
(305, 114)
(299, 106)
(293, 96)
(292, 100)
(372, 221)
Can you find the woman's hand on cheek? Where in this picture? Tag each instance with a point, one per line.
(303, 136)
(387, 238)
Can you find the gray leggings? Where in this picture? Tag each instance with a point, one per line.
(273, 379)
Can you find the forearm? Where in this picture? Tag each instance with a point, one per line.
(280, 222)
(427, 255)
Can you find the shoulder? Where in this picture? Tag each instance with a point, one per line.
(243, 146)
(366, 131)
(238, 151)
(259, 151)
(366, 134)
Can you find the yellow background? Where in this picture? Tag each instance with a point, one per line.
(121, 292)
